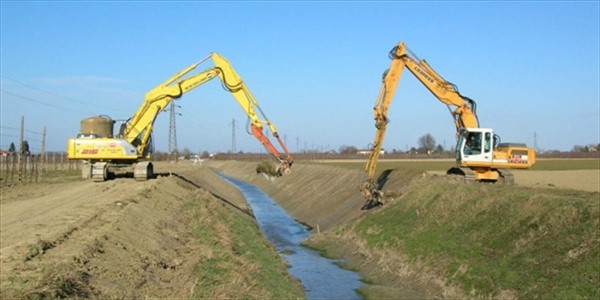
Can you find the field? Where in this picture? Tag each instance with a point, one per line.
(445, 164)
(581, 174)
(188, 234)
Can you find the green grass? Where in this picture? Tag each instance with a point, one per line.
(537, 243)
(566, 164)
(243, 265)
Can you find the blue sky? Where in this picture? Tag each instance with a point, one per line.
(314, 67)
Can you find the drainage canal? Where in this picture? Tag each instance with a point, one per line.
(321, 277)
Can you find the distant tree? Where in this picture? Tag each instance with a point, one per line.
(348, 149)
(439, 148)
(185, 153)
(579, 148)
(427, 143)
(11, 148)
(25, 148)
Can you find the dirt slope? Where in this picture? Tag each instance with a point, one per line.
(317, 195)
(114, 239)
(128, 239)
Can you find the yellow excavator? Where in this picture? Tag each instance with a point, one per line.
(100, 150)
(480, 155)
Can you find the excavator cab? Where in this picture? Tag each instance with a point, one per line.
(475, 145)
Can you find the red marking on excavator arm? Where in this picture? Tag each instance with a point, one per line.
(258, 133)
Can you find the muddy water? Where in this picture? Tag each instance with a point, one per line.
(321, 277)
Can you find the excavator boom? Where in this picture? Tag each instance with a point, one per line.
(234, 84)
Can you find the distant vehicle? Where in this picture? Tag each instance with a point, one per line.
(480, 156)
(132, 146)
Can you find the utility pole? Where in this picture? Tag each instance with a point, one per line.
(535, 145)
(42, 156)
(233, 125)
(173, 130)
(20, 156)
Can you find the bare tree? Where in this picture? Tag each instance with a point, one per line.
(348, 149)
(427, 143)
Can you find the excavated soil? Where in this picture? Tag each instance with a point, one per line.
(116, 239)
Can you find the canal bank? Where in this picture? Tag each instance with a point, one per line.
(321, 277)
(327, 198)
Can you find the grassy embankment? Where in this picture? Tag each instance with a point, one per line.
(491, 241)
(241, 263)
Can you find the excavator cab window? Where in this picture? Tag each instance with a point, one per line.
(473, 144)
(488, 142)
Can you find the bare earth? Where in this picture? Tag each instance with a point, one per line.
(585, 180)
(116, 239)
(128, 239)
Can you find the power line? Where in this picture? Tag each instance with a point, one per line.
(16, 136)
(42, 102)
(59, 96)
(12, 128)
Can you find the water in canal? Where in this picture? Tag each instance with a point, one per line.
(321, 277)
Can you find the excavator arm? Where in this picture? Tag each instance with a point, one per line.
(391, 77)
(138, 129)
(234, 84)
(462, 108)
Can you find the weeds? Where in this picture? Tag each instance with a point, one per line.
(267, 167)
(240, 263)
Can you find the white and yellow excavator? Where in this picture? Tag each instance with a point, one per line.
(480, 156)
(132, 145)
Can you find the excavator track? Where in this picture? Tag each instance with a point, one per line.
(506, 177)
(143, 171)
(467, 174)
(99, 171)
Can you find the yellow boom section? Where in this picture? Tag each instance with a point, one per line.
(380, 110)
(139, 127)
(234, 84)
(463, 107)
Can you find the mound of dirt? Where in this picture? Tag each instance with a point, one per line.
(129, 239)
(120, 241)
